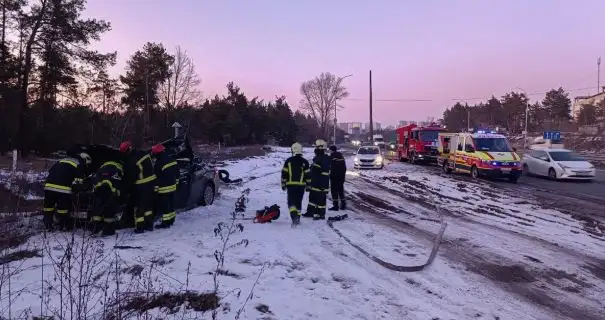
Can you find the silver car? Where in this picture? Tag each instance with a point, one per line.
(368, 157)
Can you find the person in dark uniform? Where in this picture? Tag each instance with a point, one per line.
(338, 172)
(58, 189)
(139, 179)
(107, 189)
(320, 182)
(295, 176)
(166, 170)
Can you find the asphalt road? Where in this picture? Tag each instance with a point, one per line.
(581, 189)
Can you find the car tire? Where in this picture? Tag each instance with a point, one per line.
(513, 179)
(208, 194)
(474, 172)
(446, 168)
(552, 174)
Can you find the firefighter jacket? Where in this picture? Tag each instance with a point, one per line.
(63, 174)
(138, 169)
(167, 171)
(338, 167)
(320, 173)
(296, 172)
(109, 176)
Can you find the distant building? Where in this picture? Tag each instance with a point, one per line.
(578, 102)
(344, 126)
(377, 126)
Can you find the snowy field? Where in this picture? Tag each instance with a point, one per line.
(503, 256)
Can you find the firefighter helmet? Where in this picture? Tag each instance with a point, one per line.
(125, 146)
(158, 148)
(296, 148)
(86, 157)
(321, 144)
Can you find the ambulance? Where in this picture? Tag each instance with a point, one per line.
(480, 154)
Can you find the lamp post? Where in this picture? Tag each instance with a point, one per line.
(336, 103)
(526, 118)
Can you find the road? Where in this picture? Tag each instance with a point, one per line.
(581, 189)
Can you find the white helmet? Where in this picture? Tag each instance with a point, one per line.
(296, 148)
(86, 157)
(321, 144)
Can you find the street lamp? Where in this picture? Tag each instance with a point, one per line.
(526, 118)
(336, 103)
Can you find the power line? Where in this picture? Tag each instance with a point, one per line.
(455, 99)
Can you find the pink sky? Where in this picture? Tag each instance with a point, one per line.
(429, 49)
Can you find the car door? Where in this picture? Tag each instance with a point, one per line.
(542, 163)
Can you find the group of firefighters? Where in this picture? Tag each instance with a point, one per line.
(148, 185)
(325, 173)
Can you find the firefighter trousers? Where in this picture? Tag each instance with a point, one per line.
(165, 208)
(105, 209)
(143, 211)
(317, 203)
(337, 188)
(59, 203)
(295, 197)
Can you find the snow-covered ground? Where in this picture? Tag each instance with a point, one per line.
(503, 257)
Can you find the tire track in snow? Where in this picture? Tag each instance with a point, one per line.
(542, 288)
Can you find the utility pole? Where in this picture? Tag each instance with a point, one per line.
(146, 112)
(468, 119)
(371, 119)
(599, 75)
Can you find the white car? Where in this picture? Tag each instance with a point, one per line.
(557, 164)
(368, 157)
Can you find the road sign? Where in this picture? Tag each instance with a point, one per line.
(552, 135)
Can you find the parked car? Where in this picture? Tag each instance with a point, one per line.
(198, 182)
(557, 164)
(368, 157)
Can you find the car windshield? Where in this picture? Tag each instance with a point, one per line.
(429, 135)
(368, 151)
(492, 144)
(565, 156)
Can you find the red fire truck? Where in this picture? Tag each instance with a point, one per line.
(418, 144)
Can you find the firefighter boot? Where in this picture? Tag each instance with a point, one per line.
(96, 227)
(109, 229)
(48, 221)
(343, 205)
(334, 206)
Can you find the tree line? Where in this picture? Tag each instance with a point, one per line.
(56, 91)
(509, 113)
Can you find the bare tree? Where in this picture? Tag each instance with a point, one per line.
(182, 87)
(320, 97)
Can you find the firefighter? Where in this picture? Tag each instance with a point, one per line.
(167, 172)
(58, 189)
(338, 171)
(107, 193)
(139, 179)
(295, 176)
(320, 181)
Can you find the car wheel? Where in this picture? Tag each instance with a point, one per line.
(474, 172)
(552, 174)
(526, 170)
(513, 179)
(446, 168)
(208, 194)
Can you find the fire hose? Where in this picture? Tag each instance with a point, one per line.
(391, 266)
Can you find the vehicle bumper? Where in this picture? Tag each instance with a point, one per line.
(368, 165)
(571, 175)
(499, 173)
(427, 158)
